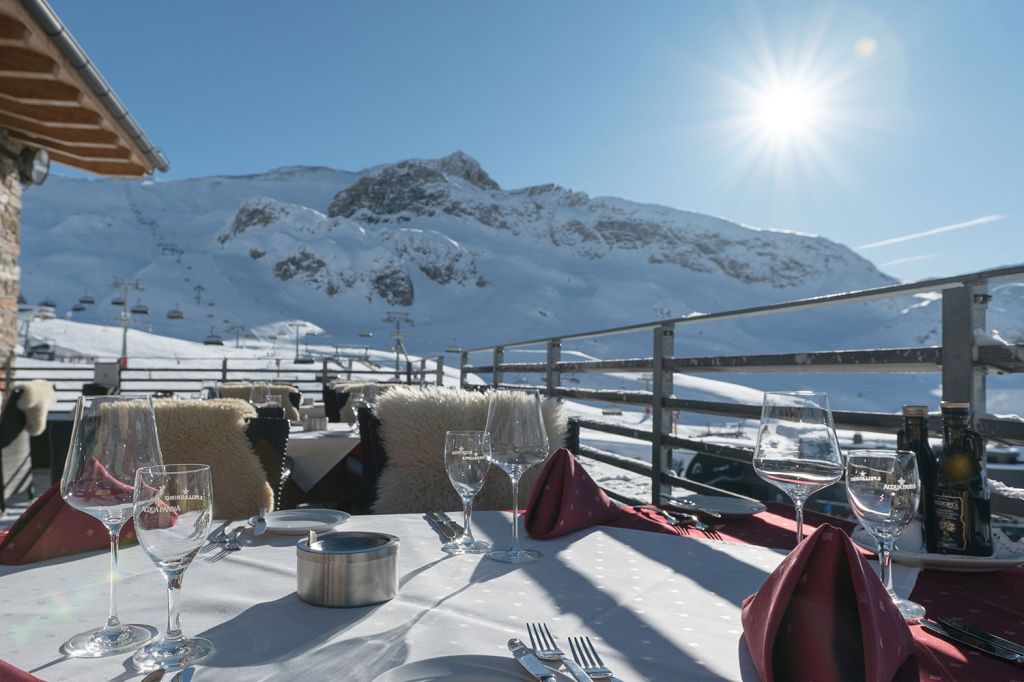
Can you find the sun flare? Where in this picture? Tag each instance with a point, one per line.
(787, 110)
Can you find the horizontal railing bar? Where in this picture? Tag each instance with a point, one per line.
(617, 429)
(995, 274)
(604, 365)
(1009, 359)
(622, 462)
(730, 452)
(605, 395)
(880, 360)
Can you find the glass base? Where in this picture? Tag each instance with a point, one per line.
(172, 654)
(100, 642)
(515, 556)
(470, 547)
(911, 611)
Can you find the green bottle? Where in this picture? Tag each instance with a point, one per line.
(963, 511)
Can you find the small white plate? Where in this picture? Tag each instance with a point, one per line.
(301, 521)
(943, 562)
(728, 507)
(463, 669)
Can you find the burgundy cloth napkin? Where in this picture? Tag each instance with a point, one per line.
(8, 673)
(51, 528)
(565, 498)
(823, 615)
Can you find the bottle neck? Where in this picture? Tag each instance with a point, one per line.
(954, 428)
(915, 430)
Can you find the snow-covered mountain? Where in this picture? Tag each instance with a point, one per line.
(472, 263)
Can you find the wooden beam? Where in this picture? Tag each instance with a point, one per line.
(29, 91)
(57, 132)
(21, 62)
(77, 117)
(80, 150)
(13, 31)
(123, 169)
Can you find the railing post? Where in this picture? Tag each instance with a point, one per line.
(497, 375)
(423, 371)
(439, 370)
(224, 370)
(661, 418)
(963, 313)
(553, 378)
(463, 362)
(348, 369)
(323, 373)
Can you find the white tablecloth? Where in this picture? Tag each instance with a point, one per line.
(659, 607)
(314, 453)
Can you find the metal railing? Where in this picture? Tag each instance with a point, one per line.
(190, 375)
(963, 362)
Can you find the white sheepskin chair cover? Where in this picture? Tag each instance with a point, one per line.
(213, 432)
(240, 390)
(36, 398)
(413, 422)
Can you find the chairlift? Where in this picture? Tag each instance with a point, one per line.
(117, 300)
(48, 302)
(366, 335)
(304, 359)
(213, 339)
(175, 313)
(140, 309)
(77, 308)
(87, 299)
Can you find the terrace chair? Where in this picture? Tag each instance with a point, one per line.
(240, 390)
(214, 432)
(269, 439)
(408, 447)
(335, 400)
(23, 416)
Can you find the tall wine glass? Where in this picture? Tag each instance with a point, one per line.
(173, 512)
(259, 396)
(883, 489)
(797, 449)
(466, 461)
(112, 436)
(518, 441)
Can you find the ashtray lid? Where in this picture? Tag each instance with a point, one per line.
(349, 543)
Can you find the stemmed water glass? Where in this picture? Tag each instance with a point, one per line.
(883, 489)
(259, 396)
(466, 461)
(173, 512)
(112, 436)
(797, 449)
(518, 441)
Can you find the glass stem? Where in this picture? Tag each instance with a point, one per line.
(515, 513)
(885, 546)
(467, 513)
(799, 506)
(113, 622)
(174, 606)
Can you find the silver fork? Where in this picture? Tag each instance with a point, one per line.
(231, 543)
(585, 654)
(543, 644)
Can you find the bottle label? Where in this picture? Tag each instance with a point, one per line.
(951, 531)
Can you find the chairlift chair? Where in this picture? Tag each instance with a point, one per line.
(175, 313)
(87, 299)
(213, 339)
(117, 300)
(304, 360)
(48, 302)
(140, 309)
(77, 308)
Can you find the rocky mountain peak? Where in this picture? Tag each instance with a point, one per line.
(464, 166)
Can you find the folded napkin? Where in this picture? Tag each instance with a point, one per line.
(565, 498)
(823, 615)
(8, 673)
(50, 527)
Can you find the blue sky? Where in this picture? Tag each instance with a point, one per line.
(864, 122)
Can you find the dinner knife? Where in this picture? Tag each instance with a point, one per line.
(259, 527)
(970, 640)
(683, 502)
(444, 531)
(995, 640)
(529, 660)
(451, 524)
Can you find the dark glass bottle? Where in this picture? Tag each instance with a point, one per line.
(962, 509)
(914, 437)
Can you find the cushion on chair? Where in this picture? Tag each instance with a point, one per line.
(37, 396)
(413, 422)
(214, 432)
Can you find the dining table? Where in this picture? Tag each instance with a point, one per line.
(316, 453)
(656, 606)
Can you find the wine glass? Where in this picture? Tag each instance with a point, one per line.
(518, 441)
(466, 461)
(259, 396)
(112, 436)
(883, 488)
(797, 449)
(173, 512)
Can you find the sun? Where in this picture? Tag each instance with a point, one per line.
(787, 110)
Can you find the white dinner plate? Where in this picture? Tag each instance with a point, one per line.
(1004, 558)
(728, 507)
(301, 521)
(467, 668)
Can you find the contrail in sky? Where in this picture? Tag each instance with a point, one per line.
(935, 230)
(911, 259)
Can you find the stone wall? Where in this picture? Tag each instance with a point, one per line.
(10, 273)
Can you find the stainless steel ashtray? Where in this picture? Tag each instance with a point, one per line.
(346, 569)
